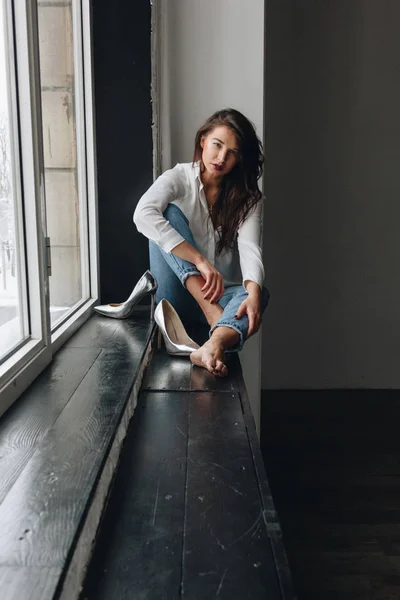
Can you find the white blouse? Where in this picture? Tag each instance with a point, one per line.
(183, 187)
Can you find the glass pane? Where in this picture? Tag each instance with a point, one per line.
(63, 205)
(11, 287)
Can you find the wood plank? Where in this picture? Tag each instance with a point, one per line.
(140, 544)
(11, 467)
(167, 372)
(28, 420)
(330, 564)
(131, 335)
(227, 552)
(339, 449)
(21, 583)
(203, 380)
(271, 517)
(40, 516)
(254, 444)
(95, 333)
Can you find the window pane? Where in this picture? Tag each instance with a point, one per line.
(64, 206)
(11, 286)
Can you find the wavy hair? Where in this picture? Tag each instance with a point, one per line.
(239, 191)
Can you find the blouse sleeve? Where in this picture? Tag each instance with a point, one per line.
(249, 245)
(148, 215)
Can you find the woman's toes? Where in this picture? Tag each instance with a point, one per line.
(223, 370)
(220, 369)
(211, 365)
(208, 359)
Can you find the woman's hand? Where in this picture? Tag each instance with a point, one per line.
(251, 307)
(214, 282)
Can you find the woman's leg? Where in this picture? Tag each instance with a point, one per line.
(178, 280)
(169, 285)
(231, 300)
(228, 334)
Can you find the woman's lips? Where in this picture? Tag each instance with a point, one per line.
(218, 167)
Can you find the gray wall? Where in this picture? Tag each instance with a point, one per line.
(332, 243)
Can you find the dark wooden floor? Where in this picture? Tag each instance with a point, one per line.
(333, 463)
(190, 514)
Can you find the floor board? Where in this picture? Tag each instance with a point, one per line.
(224, 558)
(167, 372)
(38, 523)
(27, 422)
(141, 539)
(187, 517)
(55, 443)
(28, 583)
(333, 463)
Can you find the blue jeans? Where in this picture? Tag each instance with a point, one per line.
(171, 273)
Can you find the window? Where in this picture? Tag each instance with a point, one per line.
(48, 258)
(13, 299)
(64, 155)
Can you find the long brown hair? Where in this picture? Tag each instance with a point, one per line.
(239, 192)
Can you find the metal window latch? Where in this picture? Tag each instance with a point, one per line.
(48, 255)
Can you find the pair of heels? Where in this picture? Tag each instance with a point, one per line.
(170, 327)
(146, 285)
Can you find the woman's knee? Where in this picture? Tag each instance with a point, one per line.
(177, 219)
(179, 222)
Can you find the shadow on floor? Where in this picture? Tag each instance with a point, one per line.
(333, 463)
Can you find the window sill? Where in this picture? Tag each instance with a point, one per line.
(71, 326)
(19, 370)
(60, 443)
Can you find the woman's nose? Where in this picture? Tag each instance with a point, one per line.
(222, 155)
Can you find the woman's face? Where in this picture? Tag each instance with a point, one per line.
(220, 152)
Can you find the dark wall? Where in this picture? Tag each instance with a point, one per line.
(332, 218)
(122, 74)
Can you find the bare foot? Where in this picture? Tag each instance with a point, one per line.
(210, 356)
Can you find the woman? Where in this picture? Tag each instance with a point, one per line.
(203, 220)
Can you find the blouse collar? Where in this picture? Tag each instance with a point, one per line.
(196, 169)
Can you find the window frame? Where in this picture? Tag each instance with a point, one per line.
(24, 365)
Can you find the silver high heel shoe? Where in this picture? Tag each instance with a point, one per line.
(146, 285)
(177, 342)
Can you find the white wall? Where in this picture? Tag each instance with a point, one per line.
(332, 243)
(212, 57)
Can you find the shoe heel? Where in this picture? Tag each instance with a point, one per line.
(152, 306)
(170, 327)
(159, 339)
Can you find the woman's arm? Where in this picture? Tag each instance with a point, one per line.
(148, 216)
(213, 287)
(249, 246)
(149, 220)
(250, 253)
(251, 307)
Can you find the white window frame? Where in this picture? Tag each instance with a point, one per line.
(87, 178)
(23, 366)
